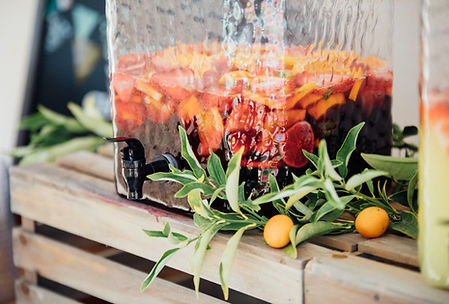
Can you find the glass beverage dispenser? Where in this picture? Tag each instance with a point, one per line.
(433, 239)
(272, 76)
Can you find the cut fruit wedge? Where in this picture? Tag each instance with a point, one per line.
(123, 85)
(321, 107)
(210, 130)
(298, 137)
(187, 109)
(145, 87)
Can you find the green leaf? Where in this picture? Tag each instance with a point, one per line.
(361, 178)
(50, 135)
(346, 149)
(215, 169)
(274, 188)
(202, 222)
(407, 225)
(33, 122)
(329, 213)
(23, 151)
(290, 250)
(327, 94)
(306, 211)
(173, 177)
(94, 124)
(49, 154)
(199, 253)
(189, 156)
(228, 259)
(167, 229)
(155, 233)
(411, 191)
(232, 180)
(314, 160)
(176, 238)
(198, 204)
(310, 230)
(216, 194)
(370, 186)
(327, 165)
(400, 168)
(299, 194)
(331, 195)
(69, 123)
(158, 267)
(186, 189)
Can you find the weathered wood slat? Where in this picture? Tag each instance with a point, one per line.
(346, 242)
(392, 247)
(27, 293)
(354, 279)
(94, 275)
(89, 163)
(89, 207)
(106, 150)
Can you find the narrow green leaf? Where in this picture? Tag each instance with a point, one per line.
(197, 204)
(69, 123)
(167, 229)
(327, 165)
(228, 259)
(299, 195)
(314, 160)
(359, 179)
(310, 230)
(346, 149)
(290, 250)
(215, 169)
(232, 180)
(155, 233)
(49, 154)
(407, 225)
(202, 222)
(411, 191)
(189, 156)
(370, 186)
(329, 212)
(176, 238)
(173, 177)
(216, 194)
(199, 253)
(158, 267)
(331, 195)
(186, 189)
(400, 168)
(33, 122)
(94, 124)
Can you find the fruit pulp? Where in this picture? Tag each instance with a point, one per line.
(433, 217)
(254, 97)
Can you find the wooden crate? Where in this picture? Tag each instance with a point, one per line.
(77, 195)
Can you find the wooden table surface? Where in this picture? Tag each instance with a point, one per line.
(77, 195)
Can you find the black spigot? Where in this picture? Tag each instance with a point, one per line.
(135, 169)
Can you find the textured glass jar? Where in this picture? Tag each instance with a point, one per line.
(273, 77)
(433, 237)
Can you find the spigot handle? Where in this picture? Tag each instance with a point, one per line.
(136, 149)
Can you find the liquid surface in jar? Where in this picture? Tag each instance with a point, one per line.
(272, 101)
(433, 189)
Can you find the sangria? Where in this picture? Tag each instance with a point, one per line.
(272, 105)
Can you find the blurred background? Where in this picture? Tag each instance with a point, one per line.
(54, 51)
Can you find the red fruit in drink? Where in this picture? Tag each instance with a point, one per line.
(181, 78)
(123, 85)
(210, 130)
(135, 64)
(298, 137)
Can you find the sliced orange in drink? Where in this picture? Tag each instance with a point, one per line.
(210, 130)
(322, 106)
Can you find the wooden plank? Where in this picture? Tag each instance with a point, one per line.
(346, 242)
(353, 279)
(106, 150)
(28, 293)
(392, 247)
(89, 163)
(29, 225)
(90, 207)
(95, 275)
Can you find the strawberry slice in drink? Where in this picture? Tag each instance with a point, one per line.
(135, 64)
(123, 85)
(298, 137)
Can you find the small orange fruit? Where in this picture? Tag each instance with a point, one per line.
(372, 222)
(276, 231)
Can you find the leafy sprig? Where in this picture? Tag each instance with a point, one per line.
(315, 201)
